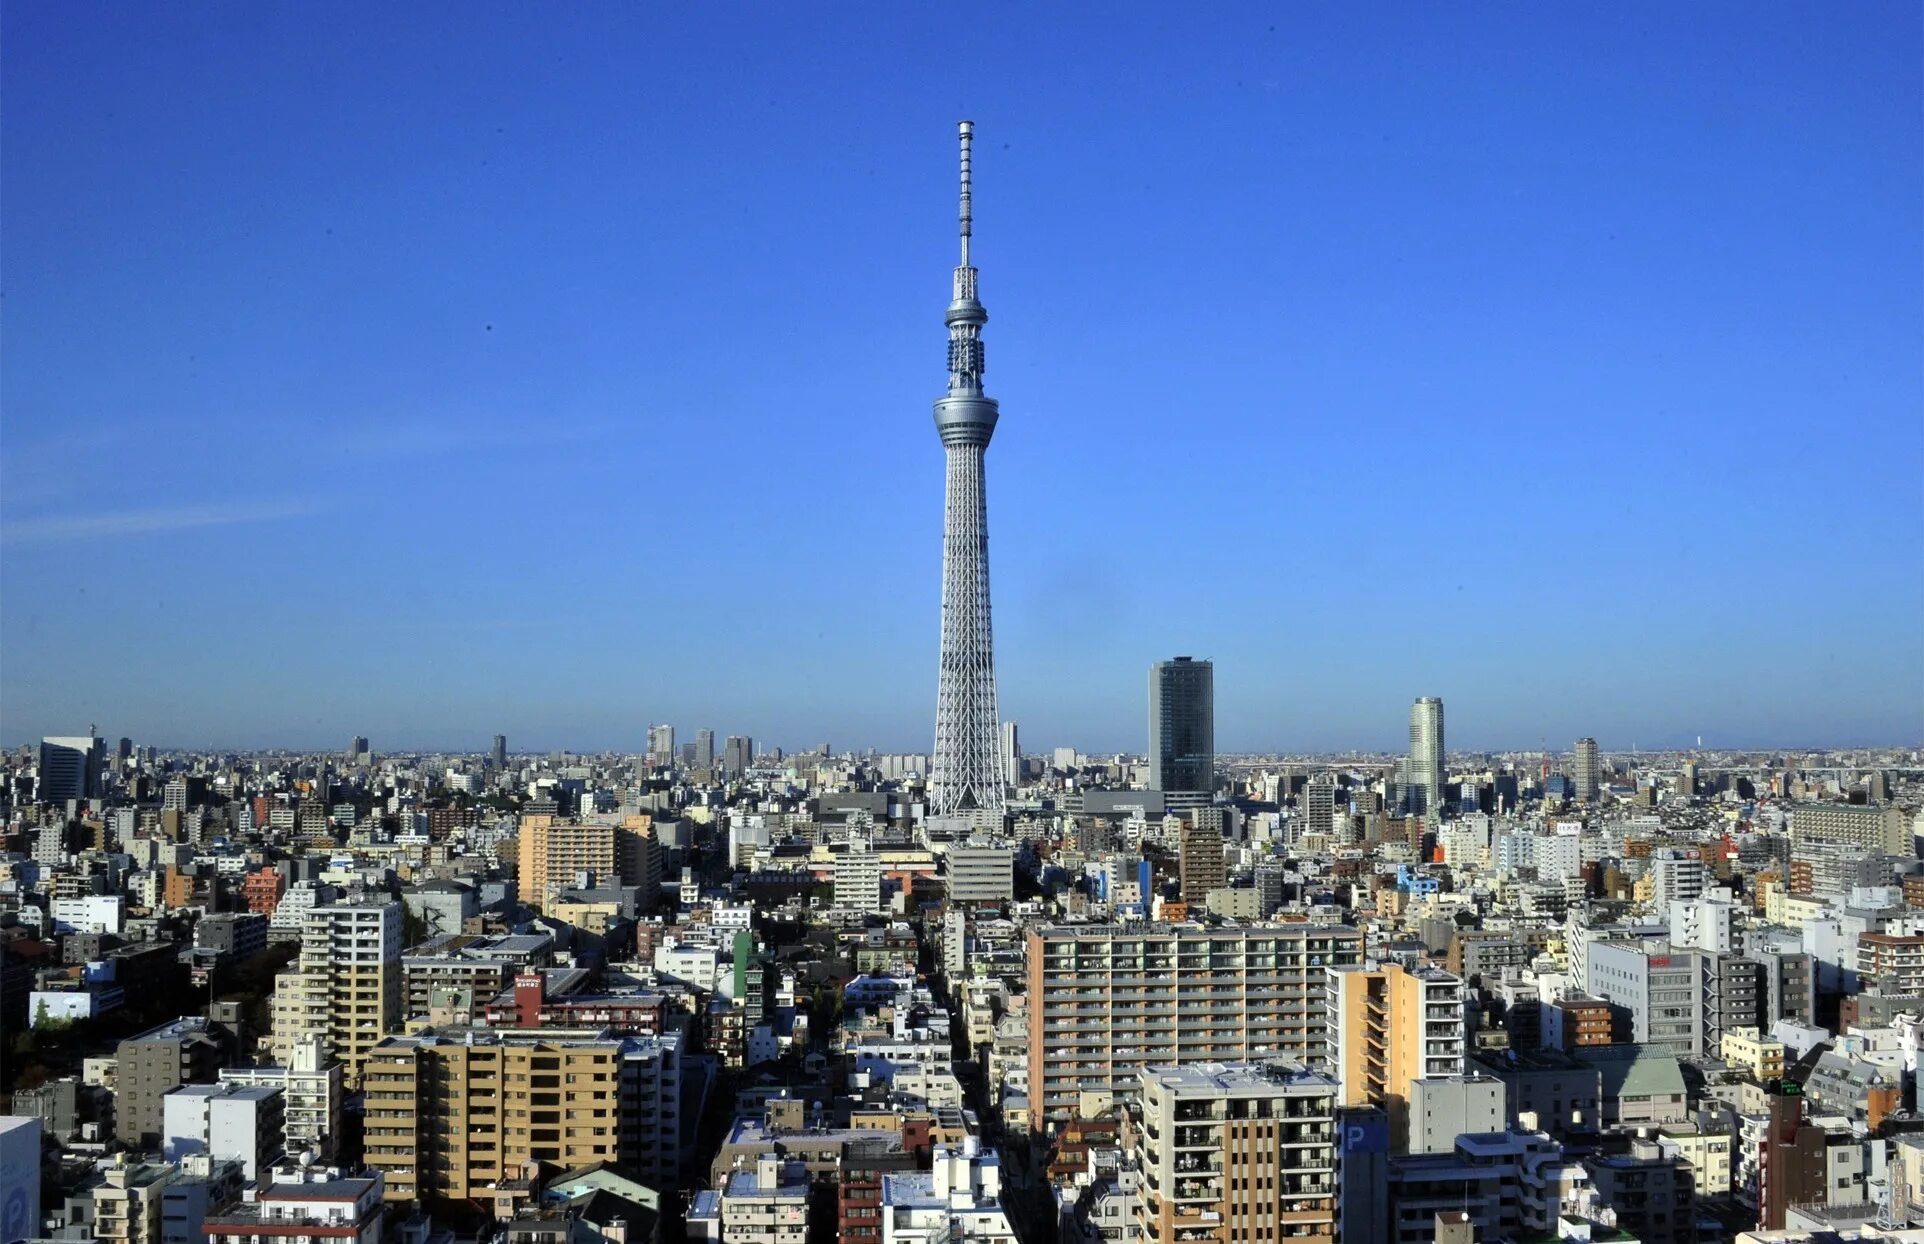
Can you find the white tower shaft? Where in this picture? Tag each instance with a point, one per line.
(967, 771)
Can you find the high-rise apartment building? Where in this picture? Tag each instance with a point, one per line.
(1182, 727)
(858, 880)
(1200, 864)
(344, 987)
(1587, 771)
(150, 1066)
(661, 746)
(1426, 769)
(243, 1121)
(552, 854)
(1107, 999)
(312, 1085)
(704, 749)
(1011, 756)
(1677, 875)
(1388, 1028)
(967, 772)
(451, 1112)
(1317, 803)
(1869, 828)
(1243, 1151)
(70, 768)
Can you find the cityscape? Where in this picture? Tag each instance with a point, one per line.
(986, 987)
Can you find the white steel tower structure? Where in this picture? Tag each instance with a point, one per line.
(967, 770)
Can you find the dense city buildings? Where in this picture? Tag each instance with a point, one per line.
(776, 993)
(1179, 995)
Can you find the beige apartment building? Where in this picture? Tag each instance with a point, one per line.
(1106, 1000)
(345, 987)
(1756, 1053)
(450, 1113)
(550, 854)
(1389, 1027)
(1236, 1152)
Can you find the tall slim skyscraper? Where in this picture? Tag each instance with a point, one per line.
(500, 751)
(967, 766)
(1588, 769)
(1426, 756)
(704, 749)
(661, 746)
(1182, 726)
(1011, 756)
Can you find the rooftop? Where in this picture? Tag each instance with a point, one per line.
(1246, 1079)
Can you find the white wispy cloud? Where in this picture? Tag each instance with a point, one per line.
(147, 522)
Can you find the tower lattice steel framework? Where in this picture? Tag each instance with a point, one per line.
(967, 771)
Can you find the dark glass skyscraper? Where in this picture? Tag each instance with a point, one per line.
(1182, 726)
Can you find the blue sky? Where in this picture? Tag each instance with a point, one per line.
(427, 371)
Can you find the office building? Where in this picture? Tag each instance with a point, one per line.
(242, 1121)
(1011, 756)
(1244, 1150)
(661, 746)
(1444, 1108)
(738, 753)
(500, 752)
(1107, 999)
(358, 751)
(967, 771)
(70, 768)
(552, 855)
(451, 1112)
(979, 873)
(345, 986)
(1587, 771)
(1660, 988)
(704, 750)
(1427, 770)
(1388, 1028)
(1182, 727)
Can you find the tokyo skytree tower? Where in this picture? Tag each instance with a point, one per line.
(967, 771)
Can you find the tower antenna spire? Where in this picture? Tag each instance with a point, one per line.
(968, 134)
(966, 773)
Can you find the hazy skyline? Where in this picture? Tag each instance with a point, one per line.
(434, 372)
